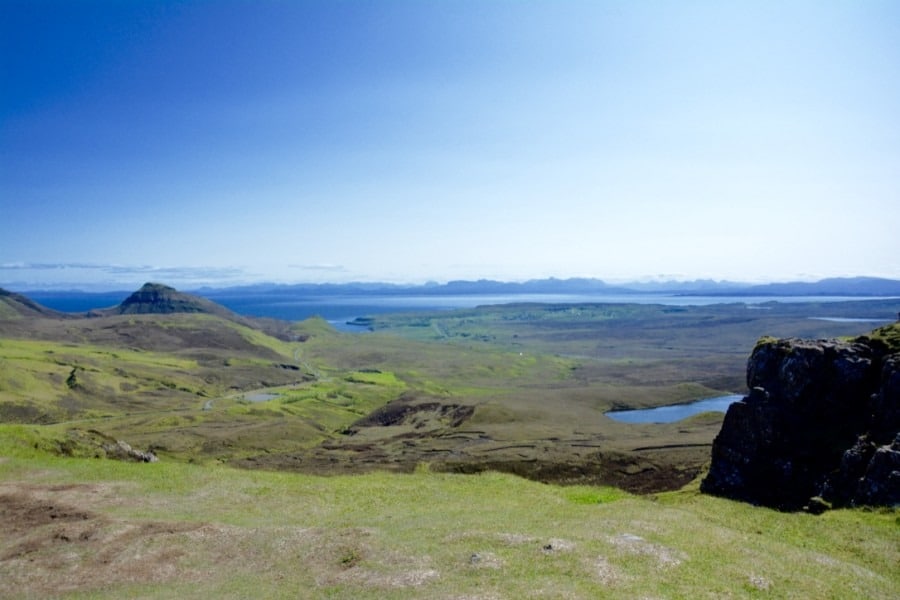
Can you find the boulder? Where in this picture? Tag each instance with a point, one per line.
(123, 451)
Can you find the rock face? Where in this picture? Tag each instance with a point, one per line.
(155, 298)
(821, 422)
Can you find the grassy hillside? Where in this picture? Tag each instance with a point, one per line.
(514, 389)
(521, 389)
(104, 529)
(184, 385)
(17, 306)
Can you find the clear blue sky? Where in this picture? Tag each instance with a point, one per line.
(224, 142)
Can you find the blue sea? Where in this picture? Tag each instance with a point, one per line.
(339, 309)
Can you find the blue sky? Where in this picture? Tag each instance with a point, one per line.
(227, 142)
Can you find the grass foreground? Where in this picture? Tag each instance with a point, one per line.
(504, 389)
(94, 528)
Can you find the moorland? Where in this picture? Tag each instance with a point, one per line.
(350, 446)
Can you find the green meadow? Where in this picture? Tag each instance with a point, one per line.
(461, 454)
(169, 530)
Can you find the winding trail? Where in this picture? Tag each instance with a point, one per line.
(308, 367)
(317, 375)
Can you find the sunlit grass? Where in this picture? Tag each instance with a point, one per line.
(491, 535)
(427, 534)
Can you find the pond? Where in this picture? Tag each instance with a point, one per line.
(259, 397)
(674, 412)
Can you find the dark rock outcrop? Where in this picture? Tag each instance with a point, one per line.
(821, 422)
(159, 299)
(123, 451)
(155, 298)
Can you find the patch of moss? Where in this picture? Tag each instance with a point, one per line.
(889, 335)
(766, 339)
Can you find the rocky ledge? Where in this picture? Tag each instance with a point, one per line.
(820, 427)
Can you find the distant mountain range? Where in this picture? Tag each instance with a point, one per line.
(81, 301)
(839, 286)
(843, 286)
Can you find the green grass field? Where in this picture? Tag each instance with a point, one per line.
(169, 530)
(351, 443)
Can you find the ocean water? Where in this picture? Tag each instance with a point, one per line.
(339, 309)
(77, 302)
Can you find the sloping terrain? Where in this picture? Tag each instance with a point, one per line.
(201, 388)
(152, 377)
(534, 382)
(17, 306)
(521, 389)
(86, 528)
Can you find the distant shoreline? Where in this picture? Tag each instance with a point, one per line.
(342, 308)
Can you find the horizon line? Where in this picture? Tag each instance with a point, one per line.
(622, 284)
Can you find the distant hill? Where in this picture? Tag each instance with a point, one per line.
(155, 298)
(838, 286)
(458, 287)
(159, 299)
(842, 286)
(150, 299)
(15, 306)
(578, 285)
(461, 287)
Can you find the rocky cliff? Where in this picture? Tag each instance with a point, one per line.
(155, 298)
(820, 427)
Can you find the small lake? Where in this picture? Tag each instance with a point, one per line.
(674, 412)
(259, 397)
